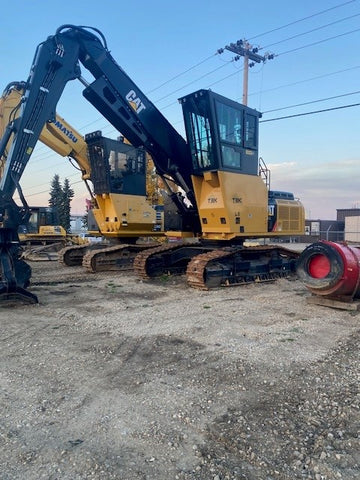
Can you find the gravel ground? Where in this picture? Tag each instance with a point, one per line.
(113, 378)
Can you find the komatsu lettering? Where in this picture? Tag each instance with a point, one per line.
(67, 132)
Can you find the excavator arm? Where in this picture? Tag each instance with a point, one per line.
(61, 138)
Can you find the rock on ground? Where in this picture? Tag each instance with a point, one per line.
(110, 377)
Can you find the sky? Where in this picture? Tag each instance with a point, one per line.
(170, 49)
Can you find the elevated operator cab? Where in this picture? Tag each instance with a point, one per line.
(222, 134)
(232, 198)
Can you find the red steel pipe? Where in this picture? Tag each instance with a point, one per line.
(331, 269)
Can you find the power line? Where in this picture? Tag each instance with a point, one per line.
(302, 19)
(203, 76)
(312, 101)
(264, 33)
(182, 73)
(54, 164)
(218, 81)
(211, 56)
(46, 183)
(217, 53)
(307, 80)
(45, 191)
(208, 86)
(194, 81)
(318, 42)
(310, 113)
(267, 111)
(310, 31)
(225, 78)
(218, 68)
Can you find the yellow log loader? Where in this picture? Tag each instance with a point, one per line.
(225, 199)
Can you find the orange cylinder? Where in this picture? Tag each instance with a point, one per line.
(330, 269)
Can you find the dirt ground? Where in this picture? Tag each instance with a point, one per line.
(110, 377)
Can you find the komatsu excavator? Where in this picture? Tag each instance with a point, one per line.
(125, 163)
(225, 200)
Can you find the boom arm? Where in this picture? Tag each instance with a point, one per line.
(112, 92)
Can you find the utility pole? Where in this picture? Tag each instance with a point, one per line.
(242, 48)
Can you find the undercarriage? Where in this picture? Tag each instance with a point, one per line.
(209, 267)
(100, 257)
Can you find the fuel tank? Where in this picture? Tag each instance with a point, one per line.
(331, 269)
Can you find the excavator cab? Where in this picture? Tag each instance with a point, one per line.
(116, 167)
(40, 217)
(222, 134)
(42, 228)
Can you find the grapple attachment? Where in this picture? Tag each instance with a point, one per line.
(15, 274)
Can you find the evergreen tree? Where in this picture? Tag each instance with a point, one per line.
(60, 199)
(68, 195)
(56, 195)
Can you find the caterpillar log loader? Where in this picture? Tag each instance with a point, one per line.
(225, 199)
(117, 172)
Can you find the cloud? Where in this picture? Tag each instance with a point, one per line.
(322, 187)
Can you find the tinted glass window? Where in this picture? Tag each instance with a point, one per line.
(230, 123)
(250, 131)
(201, 145)
(231, 156)
(33, 222)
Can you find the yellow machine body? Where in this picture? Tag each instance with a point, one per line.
(232, 205)
(56, 230)
(124, 216)
(45, 234)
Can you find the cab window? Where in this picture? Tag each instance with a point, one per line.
(230, 123)
(250, 131)
(201, 142)
(231, 156)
